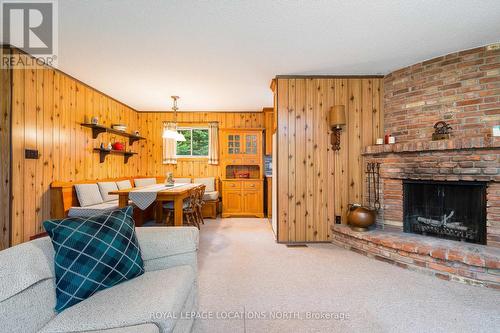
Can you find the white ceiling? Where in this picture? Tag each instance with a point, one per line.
(221, 55)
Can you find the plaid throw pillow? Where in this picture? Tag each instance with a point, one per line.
(92, 254)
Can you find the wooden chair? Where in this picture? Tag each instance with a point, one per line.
(191, 210)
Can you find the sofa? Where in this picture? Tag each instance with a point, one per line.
(156, 301)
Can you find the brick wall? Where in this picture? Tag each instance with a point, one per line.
(461, 88)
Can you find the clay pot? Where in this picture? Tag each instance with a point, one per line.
(360, 218)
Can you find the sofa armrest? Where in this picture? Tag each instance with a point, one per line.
(164, 247)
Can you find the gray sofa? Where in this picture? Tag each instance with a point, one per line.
(156, 301)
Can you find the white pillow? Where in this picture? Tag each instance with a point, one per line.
(88, 194)
(124, 184)
(182, 180)
(105, 188)
(144, 181)
(209, 183)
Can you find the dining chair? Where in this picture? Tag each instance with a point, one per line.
(191, 209)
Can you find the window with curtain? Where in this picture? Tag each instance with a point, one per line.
(197, 142)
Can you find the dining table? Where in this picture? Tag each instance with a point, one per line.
(176, 194)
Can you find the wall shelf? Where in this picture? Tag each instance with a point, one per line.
(98, 129)
(105, 152)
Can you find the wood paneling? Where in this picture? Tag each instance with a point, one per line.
(48, 107)
(5, 143)
(315, 183)
(150, 151)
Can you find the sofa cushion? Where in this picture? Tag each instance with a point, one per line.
(124, 184)
(211, 196)
(149, 298)
(144, 182)
(209, 183)
(105, 188)
(182, 180)
(142, 328)
(88, 194)
(93, 254)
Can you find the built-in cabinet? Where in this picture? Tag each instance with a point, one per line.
(242, 165)
(269, 130)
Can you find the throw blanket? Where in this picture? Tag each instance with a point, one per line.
(144, 197)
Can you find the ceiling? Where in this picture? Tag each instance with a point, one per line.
(221, 55)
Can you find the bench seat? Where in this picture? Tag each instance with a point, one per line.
(93, 210)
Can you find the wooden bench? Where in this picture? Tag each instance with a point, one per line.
(211, 207)
(63, 197)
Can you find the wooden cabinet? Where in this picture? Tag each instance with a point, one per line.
(242, 198)
(242, 155)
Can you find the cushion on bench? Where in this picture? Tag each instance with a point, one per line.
(211, 196)
(209, 182)
(144, 182)
(124, 184)
(93, 210)
(105, 188)
(88, 194)
(182, 180)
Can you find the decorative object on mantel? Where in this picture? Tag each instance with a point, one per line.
(360, 218)
(118, 146)
(336, 119)
(94, 121)
(392, 140)
(380, 141)
(442, 131)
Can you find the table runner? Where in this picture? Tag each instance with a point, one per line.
(144, 197)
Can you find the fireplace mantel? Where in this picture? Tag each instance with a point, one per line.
(476, 143)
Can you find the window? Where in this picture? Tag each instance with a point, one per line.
(196, 144)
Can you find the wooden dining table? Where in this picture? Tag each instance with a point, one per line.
(176, 194)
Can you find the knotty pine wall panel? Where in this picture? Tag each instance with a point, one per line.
(316, 183)
(5, 143)
(48, 107)
(151, 151)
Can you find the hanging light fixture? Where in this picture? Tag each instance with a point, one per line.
(170, 133)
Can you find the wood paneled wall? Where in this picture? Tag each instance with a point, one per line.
(316, 183)
(47, 108)
(5, 144)
(151, 151)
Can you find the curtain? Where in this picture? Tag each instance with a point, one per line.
(169, 145)
(213, 150)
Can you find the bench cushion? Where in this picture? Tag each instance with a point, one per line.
(105, 188)
(144, 182)
(93, 210)
(211, 196)
(209, 182)
(88, 194)
(182, 180)
(124, 184)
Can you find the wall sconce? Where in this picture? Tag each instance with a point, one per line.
(336, 119)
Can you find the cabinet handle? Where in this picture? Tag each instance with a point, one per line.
(252, 185)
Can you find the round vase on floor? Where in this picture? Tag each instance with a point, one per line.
(360, 218)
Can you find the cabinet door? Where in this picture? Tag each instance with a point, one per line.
(251, 147)
(252, 202)
(231, 201)
(234, 144)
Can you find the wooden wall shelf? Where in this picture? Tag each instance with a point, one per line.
(98, 129)
(105, 152)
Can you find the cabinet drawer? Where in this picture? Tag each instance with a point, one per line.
(250, 185)
(251, 161)
(231, 185)
(234, 161)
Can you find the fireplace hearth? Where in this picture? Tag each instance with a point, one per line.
(445, 209)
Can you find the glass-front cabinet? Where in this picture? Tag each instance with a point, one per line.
(242, 144)
(234, 144)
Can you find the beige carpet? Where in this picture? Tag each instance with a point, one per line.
(243, 269)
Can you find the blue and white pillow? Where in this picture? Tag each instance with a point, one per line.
(93, 254)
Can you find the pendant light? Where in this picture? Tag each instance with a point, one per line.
(173, 134)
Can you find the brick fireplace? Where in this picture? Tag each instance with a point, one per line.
(463, 89)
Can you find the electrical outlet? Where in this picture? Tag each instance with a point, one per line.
(31, 154)
(338, 219)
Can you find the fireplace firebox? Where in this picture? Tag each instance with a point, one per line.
(445, 209)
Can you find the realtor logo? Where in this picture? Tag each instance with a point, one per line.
(30, 26)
